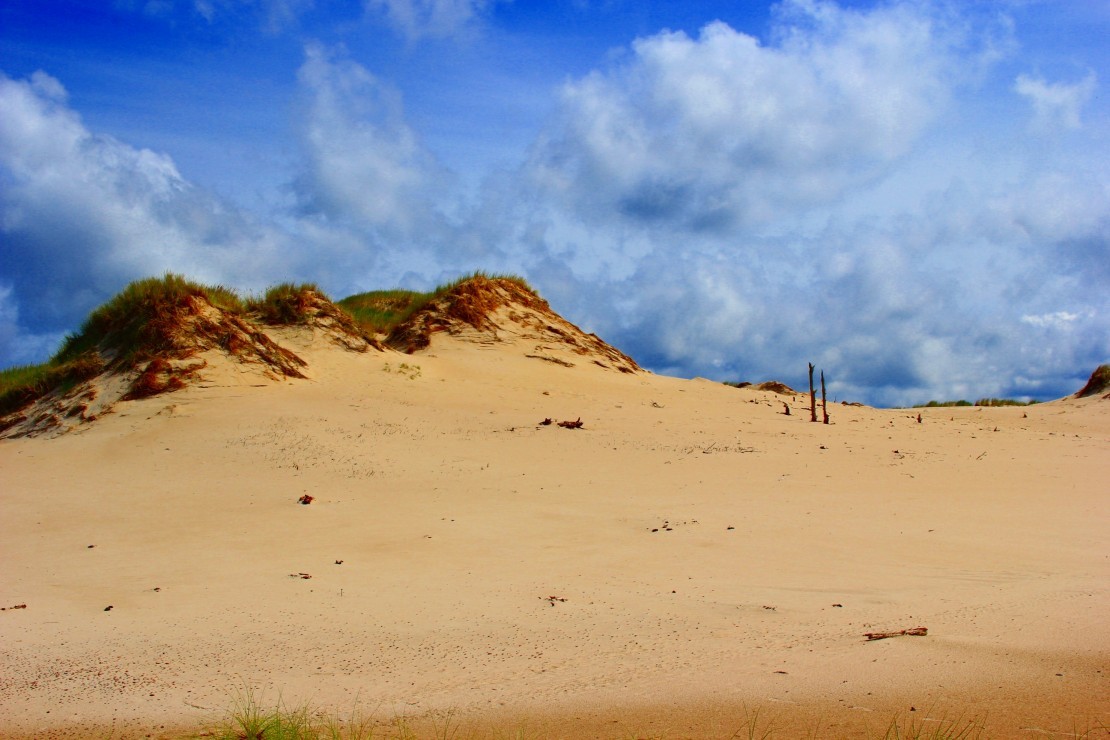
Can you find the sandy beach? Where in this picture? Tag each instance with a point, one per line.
(687, 557)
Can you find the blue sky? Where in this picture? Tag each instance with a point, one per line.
(915, 196)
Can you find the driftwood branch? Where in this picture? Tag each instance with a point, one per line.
(914, 631)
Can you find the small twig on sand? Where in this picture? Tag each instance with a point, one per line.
(915, 631)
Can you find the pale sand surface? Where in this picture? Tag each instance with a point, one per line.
(456, 516)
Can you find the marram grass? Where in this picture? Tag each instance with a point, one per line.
(248, 719)
(379, 311)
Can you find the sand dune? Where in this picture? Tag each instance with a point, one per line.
(689, 554)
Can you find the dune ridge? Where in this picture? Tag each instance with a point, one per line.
(178, 328)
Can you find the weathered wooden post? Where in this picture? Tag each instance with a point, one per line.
(824, 404)
(812, 396)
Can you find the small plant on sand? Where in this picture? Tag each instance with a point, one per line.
(926, 728)
(753, 729)
(355, 726)
(248, 719)
(412, 372)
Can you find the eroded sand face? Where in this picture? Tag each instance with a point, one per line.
(690, 554)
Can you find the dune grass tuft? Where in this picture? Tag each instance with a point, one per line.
(137, 323)
(926, 728)
(140, 319)
(483, 275)
(20, 386)
(248, 719)
(378, 311)
(285, 304)
(1098, 383)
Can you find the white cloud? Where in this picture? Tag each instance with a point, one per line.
(82, 214)
(1054, 320)
(430, 18)
(363, 162)
(722, 202)
(1056, 105)
(721, 131)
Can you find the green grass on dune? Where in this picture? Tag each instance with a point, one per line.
(446, 287)
(286, 303)
(139, 317)
(21, 385)
(379, 311)
(141, 321)
(136, 321)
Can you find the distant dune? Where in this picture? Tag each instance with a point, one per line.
(482, 511)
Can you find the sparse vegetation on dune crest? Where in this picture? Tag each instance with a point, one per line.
(468, 301)
(980, 402)
(151, 323)
(381, 311)
(141, 319)
(378, 311)
(154, 321)
(20, 386)
(286, 303)
(483, 275)
(135, 324)
(1099, 382)
(1004, 402)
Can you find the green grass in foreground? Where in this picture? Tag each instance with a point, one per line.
(248, 719)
